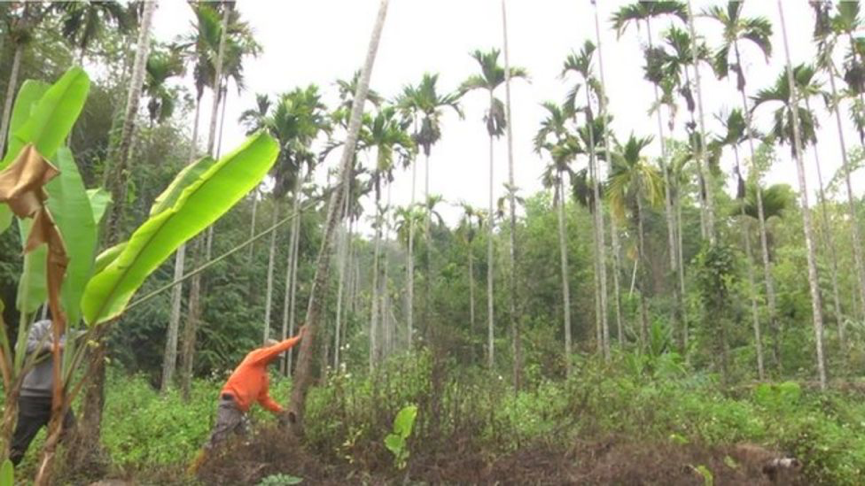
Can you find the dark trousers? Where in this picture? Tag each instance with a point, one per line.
(33, 414)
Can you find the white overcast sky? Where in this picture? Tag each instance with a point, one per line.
(318, 41)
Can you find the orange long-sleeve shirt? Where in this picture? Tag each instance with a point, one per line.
(249, 382)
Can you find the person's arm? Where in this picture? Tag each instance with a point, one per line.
(268, 353)
(40, 339)
(267, 402)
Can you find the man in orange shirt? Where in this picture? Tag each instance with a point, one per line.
(248, 384)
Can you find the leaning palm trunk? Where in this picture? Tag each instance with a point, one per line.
(10, 95)
(851, 201)
(94, 400)
(303, 375)
(774, 325)
(668, 212)
(491, 361)
(599, 205)
(816, 305)
(598, 240)
(169, 362)
(512, 247)
(566, 291)
(701, 155)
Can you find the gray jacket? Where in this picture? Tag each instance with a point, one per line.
(39, 381)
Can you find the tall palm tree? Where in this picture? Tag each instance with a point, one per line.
(670, 66)
(582, 65)
(492, 76)
(736, 133)
(827, 33)
(633, 182)
(425, 106)
(388, 136)
(797, 142)
(209, 24)
(555, 126)
(235, 42)
(296, 121)
(757, 31)
(605, 118)
(512, 203)
(302, 377)
(84, 21)
(208, 34)
(645, 12)
(94, 399)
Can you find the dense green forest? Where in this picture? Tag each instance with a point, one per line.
(649, 317)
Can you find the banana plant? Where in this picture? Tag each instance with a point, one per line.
(97, 290)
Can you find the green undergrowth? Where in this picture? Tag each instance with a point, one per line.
(468, 412)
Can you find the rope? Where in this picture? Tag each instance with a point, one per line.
(225, 255)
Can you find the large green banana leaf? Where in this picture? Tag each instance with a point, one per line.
(49, 122)
(200, 204)
(70, 206)
(184, 178)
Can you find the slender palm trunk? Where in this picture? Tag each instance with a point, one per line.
(599, 205)
(755, 312)
(681, 261)
(376, 299)
(428, 258)
(271, 264)
(828, 243)
(252, 226)
(598, 241)
(471, 293)
(512, 247)
(816, 306)
(94, 400)
(617, 292)
(668, 208)
(169, 362)
(298, 215)
(10, 95)
(410, 265)
(774, 325)
(566, 291)
(851, 202)
(386, 307)
(491, 361)
(703, 165)
(289, 269)
(644, 271)
(343, 263)
(303, 376)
